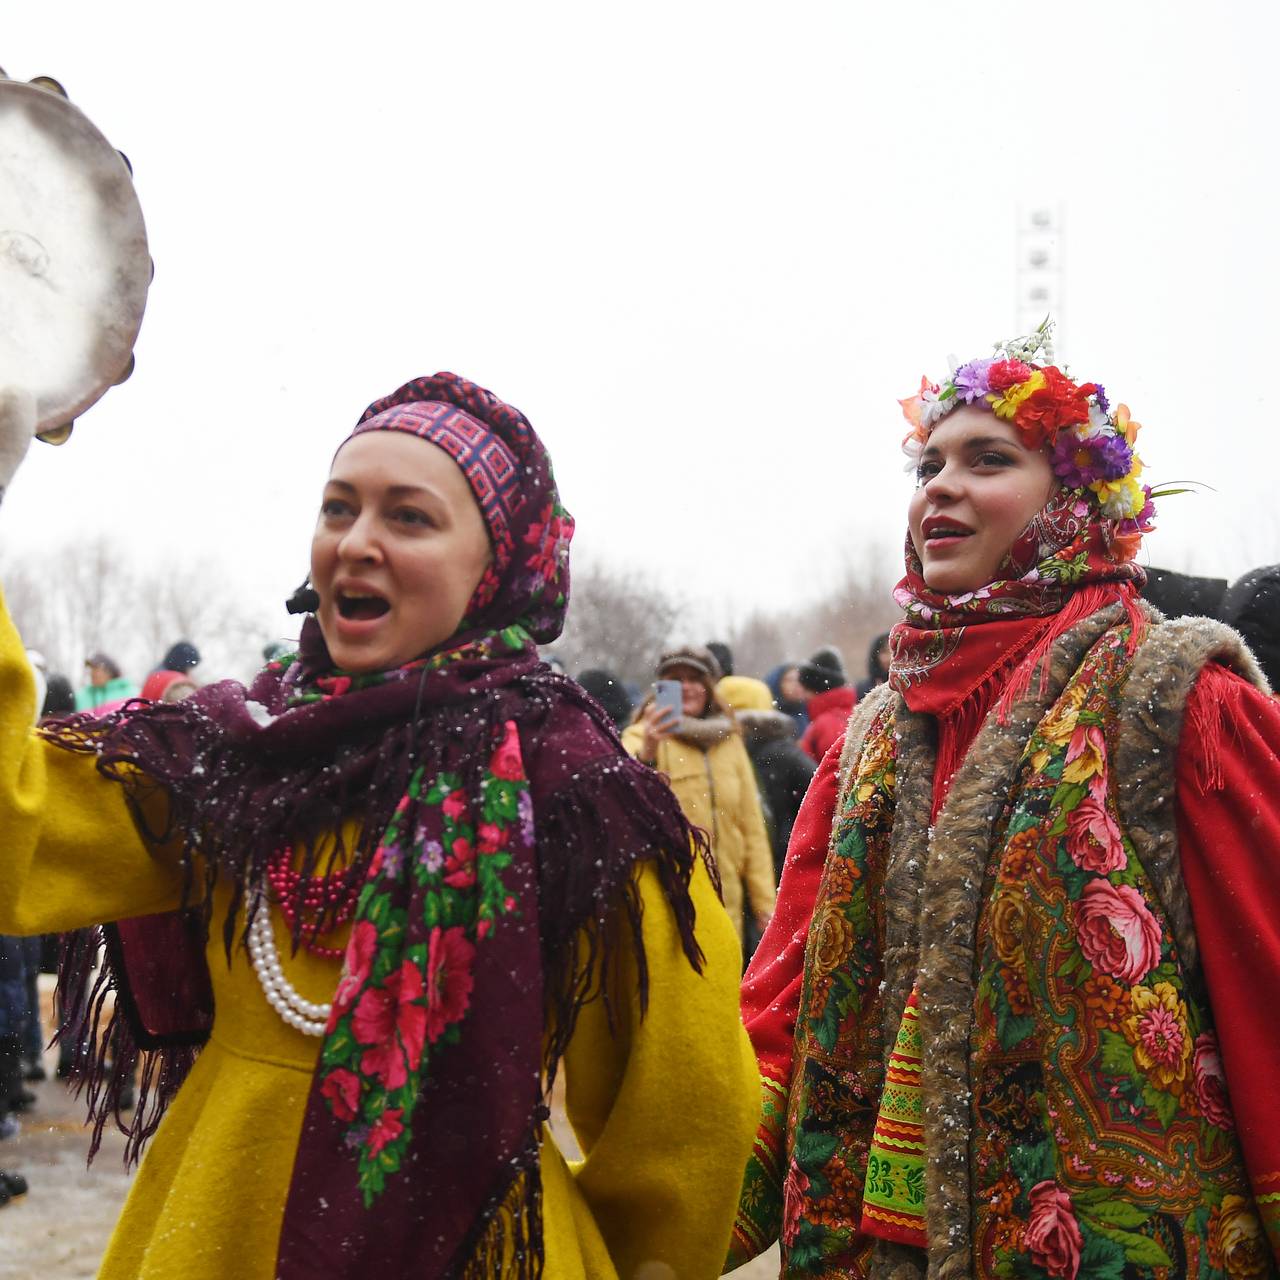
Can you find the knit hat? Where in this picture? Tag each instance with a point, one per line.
(181, 657)
(824, 671)
(722, 654)
(697, 656)
(609, 692)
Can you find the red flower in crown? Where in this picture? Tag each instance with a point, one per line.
(1004, 374)
(1059, 403)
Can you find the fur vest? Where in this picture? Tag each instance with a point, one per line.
(1072, 1123)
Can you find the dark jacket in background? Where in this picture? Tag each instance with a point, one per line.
(782, 770)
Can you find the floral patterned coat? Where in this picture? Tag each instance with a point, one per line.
(1077, 1120)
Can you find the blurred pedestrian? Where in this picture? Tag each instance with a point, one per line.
(877, 666)
(789, 695)
(723, 656)
(168, 686)
(1252, 606)
(830, 700)
(182, 657)
(609, 691)
(106, 684)
(782, 770)
(702, 756)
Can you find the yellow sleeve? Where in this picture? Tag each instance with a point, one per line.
(665, 1110)
(757, 856)
(70, 854)
(633, 739)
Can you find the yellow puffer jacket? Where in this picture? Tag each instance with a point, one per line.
(710, 772)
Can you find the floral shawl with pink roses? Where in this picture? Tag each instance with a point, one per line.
(1075, 1118)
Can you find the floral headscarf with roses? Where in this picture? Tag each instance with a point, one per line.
(488, 787)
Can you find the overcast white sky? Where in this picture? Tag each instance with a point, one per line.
(703, 245)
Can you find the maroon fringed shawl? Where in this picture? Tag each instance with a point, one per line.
(239, 781)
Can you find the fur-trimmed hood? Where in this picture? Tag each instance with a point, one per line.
(706, 732)
(759, 727)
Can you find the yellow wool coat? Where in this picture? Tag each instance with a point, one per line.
(663, 1108)
(710, 772)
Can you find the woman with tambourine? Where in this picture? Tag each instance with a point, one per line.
(363, 912)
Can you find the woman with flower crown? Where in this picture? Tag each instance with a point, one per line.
(366, 910)
(1013, 1015)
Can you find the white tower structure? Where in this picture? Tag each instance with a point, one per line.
(1039, 270)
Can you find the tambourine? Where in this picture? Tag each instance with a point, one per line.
(74, 265)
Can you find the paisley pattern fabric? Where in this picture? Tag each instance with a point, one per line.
(1100, 1138)
(1059, 565)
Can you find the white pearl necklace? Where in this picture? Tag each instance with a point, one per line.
(307, 1017)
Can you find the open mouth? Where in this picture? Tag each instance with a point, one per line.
(359, 607)
(939, 532)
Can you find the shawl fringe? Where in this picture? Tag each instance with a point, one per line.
(107, 1052)
(508, 1237)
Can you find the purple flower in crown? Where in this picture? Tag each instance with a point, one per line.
(1100, 394)
(1081, 461)
(1115, 456)
(432, 855)
(971, 380)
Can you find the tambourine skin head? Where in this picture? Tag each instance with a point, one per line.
(74, 265)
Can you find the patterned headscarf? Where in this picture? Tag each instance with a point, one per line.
(510, 474)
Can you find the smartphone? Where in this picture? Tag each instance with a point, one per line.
(669, 696)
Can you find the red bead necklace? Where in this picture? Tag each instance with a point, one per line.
(333, 896)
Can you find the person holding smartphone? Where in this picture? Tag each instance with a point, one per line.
(688, 733)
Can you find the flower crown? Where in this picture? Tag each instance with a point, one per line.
(1091, 447)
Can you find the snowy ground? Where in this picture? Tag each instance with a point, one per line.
(59, 1230)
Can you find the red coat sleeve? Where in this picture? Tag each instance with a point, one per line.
(1228, 807)
(771, 987)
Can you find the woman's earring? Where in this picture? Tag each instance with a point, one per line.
(305, 600)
